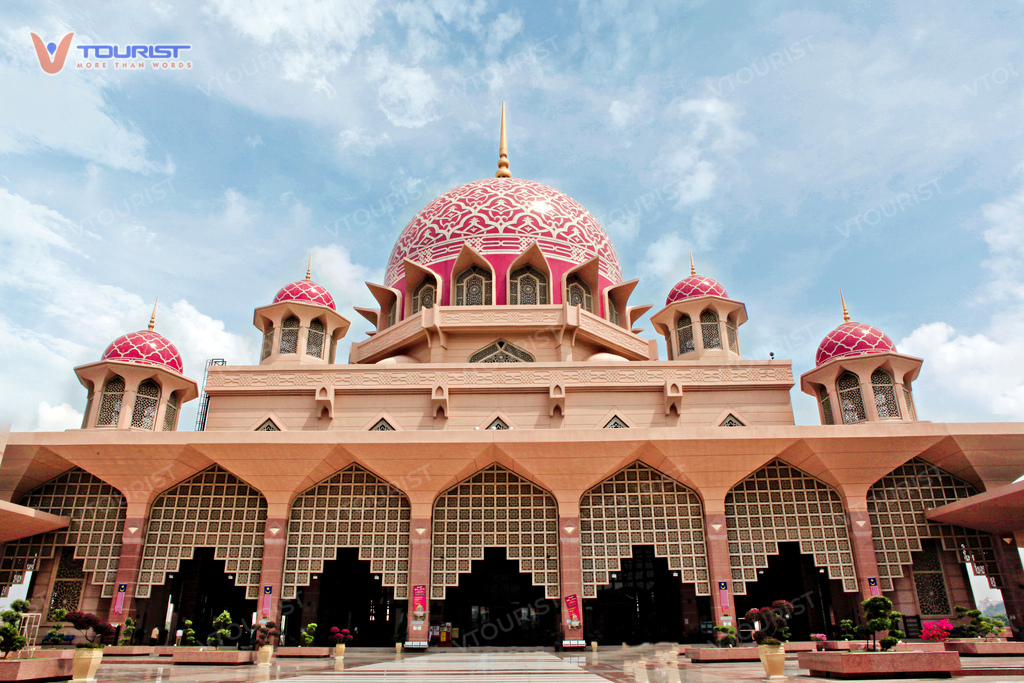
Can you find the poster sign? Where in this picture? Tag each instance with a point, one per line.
(723, 595)
(268, 591)
(873, 586)
(122, 588)
(572, 611)
(419, 605)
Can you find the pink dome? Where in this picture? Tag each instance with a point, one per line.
(694, 286)
(306, 291)
(500, 218)
(852, 339)
(145, 347)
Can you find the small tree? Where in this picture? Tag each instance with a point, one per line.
(264, 632)
(308, 634)
(87, 622)
(977, 626)
(880, 616)
(54, 635)
(127, 632)
(11, 639)
(188, 634)
(727, 640)
(222, 629)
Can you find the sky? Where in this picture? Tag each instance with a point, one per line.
(795, 147)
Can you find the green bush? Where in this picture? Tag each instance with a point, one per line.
(222, 628)
(54, 635)
(11, 639)
(978, 626)
(880, 617)
(127, 632)
(729, 639)
(308, 634)
(188, 634)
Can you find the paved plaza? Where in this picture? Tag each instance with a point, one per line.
(645, 664)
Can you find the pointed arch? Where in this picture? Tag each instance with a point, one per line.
(289, 335)
(711, 335)
(147, 401)
(110, 402)
(417, 277)
(885, 395)
(684, 334)
(532, 259)
(851, 402)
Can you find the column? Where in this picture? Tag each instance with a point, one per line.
(132, 539)
(1013, 582)
(419, 581)
(571, 577)
(720, 570)
(863, 546)
(275, 540)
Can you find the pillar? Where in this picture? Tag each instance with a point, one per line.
(571, 568)
(419, 581)
(275, 540)
(1013, 581)
(130, 561)
(863, 546)
(720, 570)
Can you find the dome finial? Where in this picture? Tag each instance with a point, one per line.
(152, 318)
(693, 271)
(846, 315)
(503, 171)
(309, 269)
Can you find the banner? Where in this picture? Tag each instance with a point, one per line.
(122, 588)
(419, 606)
(268, 591)
(723, 595)
(572, 609)
(873, 586)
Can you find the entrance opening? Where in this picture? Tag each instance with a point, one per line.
(645, 602)
(792, 576)
(497, 605)
(347, 595)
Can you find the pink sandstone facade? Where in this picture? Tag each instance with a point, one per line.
(505, 410)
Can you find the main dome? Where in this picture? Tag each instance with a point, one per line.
(501, 217)
(852, 339)
(145, 347)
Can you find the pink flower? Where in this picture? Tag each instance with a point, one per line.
(937, 631)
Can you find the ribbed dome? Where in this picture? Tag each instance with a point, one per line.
(306, 291)
(145, 347)
(694, 286)
(852, 339)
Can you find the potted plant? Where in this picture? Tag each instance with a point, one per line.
(773, 656)
(11, 639)
(307, 635)
(222, 630)
(55, 636)
(340, 637)
(264, 648)
(728, 639)
(89, 654)
(189, 634)
(819, 640)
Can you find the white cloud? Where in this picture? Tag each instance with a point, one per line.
(705, 230)
(239, 212)
(57, 418)
(360, 142)
(505, 27)
(406, 94)
(667, 259)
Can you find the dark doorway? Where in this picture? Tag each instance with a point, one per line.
(791, 576)
(496, 605)
(643, 603)
(200, 590)
(349, 596)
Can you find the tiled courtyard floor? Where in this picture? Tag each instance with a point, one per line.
(646, 664)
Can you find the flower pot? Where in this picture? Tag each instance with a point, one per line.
(773, 659)
(264, 654)
(398, 648)
(339, 649)
(85, 663)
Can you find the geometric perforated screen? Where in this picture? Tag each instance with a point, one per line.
(897, 503)
(212, 509)
(97, 511)
(780, 503)
(641, 506)
(353, 508)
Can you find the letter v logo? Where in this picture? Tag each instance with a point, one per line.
(60, 53)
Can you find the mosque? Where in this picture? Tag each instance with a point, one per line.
(505, 460)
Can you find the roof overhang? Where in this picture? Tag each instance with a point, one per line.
(18, 521)
(999, 511)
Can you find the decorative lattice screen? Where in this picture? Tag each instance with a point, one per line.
(930, 581)
(495, 508)
(641, 506)
(780, 503)
(897, 503)
(97, 511)
(352, 509)
(213, 509)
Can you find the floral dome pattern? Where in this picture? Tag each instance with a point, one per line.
(852, 339)
(145, 347)
(306, 291)
(503, 216)
(694, 286)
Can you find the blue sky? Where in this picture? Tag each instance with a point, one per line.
(796, 148)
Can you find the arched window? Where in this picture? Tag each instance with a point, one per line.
(147, 399)
(826, 407)
(850, 400)
(908, 395)
(885, 394)
(171, 412)
(709, 329)
(473, 287)
(110, 403)
(730, 333)
(501, 352)
(616, 423)
(577, 293)
(392, 313)
(684, 331)
(613, 312)
(424, 297)
(527, 286)
(268, 342)
(315, 339)
(289, 336)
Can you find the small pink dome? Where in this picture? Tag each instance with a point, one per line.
(306, 291)
(694, 286)
(145, 347)
(852, 339)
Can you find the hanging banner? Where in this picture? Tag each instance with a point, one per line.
(572, 611)
(122, 588)
(419, 605)
(873, 586)
(268, 591)
(723, 595)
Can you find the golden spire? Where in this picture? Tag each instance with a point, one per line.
(503, 171)
(846, 315)
(152, 318)
(693, 271)
(309, 270)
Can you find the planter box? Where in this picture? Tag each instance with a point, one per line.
(213, 657)
(985, 648)
(837, 645)
(880, 664)
(710, 655)
(801, 646)
(920, 647)
(168, 650)
(304, 651)
(128, 650)
(35, 669)
(52, 654)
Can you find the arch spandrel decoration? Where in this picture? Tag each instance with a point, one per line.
(97, 511)
(896, 505)
(495, 508)
(642, 506)
(353, 508)
(212, 509)
(780, 503)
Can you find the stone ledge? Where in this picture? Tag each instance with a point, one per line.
(985, 648)
(304, 651)
(215, 657)
(880, 664)
(36, 669)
